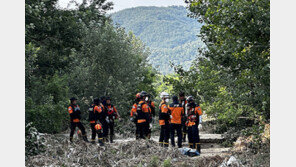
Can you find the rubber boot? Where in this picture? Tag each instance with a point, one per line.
(93, 141)
(194, 145)
(191, 145)
(71, 139)
(166, 144)
(198, 147)
(101, 142)
(161, 144)
(111, 138)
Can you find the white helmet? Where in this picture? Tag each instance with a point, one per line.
(164, 95)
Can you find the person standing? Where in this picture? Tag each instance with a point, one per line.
(102, 118)
(112, 114)
(183, 102)
(164, 118)
(193, 123)
(133, 115)
(143, 116)
(74, 112)
(95, 111)
(177, 112)
(151, 105)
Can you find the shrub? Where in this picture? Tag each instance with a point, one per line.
(34, 143)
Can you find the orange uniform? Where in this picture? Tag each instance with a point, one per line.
(143, 111)
(164, 114)
(177, 111)
(74, 113)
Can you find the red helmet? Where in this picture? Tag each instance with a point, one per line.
(98, 127)
(137, 95)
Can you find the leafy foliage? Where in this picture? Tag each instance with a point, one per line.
(231, 79)
(78, 52)
(167, 31)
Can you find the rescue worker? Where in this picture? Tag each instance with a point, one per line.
(143, 116)
(112, 114)
(183, 101)
(75, 117)
(164, 118)
(151, 105)
(103, 117)
(133, 114)
(95, 111)
(193, 123)
(177, 111)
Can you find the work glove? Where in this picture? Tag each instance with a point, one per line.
(171, 116)
(199, 127)
(150, 125)
(132, 119)
(77, 108)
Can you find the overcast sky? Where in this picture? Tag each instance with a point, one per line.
(123, 4)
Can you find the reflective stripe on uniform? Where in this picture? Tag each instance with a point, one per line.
(76, 120)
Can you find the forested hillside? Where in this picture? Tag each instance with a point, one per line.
(78, 53)
(167, 31)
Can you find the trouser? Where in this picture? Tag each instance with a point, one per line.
(110, 126)
(149, 132)
(94, 132)
(184, 131)
(176, 127)
(193, 137)
(73, 126)
(137, 131)
(105, 128)
(143, 129)
(164, 135)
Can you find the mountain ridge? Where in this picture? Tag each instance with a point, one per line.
(165, 30)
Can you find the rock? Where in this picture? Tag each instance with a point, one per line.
(233, 161)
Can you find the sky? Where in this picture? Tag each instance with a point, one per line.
(123, 4)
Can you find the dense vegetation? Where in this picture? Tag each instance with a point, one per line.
(79, 53)
(167, 31)
(231, 78)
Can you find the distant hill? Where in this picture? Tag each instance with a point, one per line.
(167, 31)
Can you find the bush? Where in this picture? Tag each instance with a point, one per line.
(49, 117)
(34, 143)
(167, 163)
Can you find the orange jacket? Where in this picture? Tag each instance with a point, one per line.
(164, 114)
(142, 117)
(74, 112)
(177, 111)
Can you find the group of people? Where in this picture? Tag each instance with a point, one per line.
(183, 116)
(101, 118)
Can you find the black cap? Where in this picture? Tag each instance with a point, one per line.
(73, 98)
(181, 94)
(108, 98)
(96, 100)
(175, 98)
